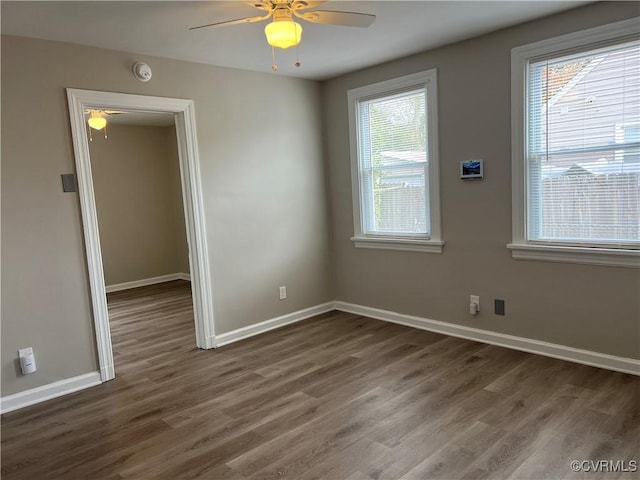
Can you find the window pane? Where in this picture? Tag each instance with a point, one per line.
(393, 162)
(583, 153)
(399, 198)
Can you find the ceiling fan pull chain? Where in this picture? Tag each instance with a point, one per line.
(274, 67)
(105, 131)
(297, 64)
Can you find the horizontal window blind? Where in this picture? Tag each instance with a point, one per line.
(583, 148)
(392, 143)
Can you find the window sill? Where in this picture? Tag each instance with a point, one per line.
(609, 257)
(406, 244)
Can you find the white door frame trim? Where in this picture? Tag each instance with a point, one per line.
(184, 113)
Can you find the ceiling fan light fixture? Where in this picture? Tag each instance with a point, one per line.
(96, 120)
(283, 33)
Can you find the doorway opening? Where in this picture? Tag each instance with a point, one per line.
(186, 142)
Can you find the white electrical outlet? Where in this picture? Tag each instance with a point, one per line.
(475, 299)
(27, 360)
(474, 304)
(283, 293)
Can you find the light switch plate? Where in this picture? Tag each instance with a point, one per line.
(68, 182)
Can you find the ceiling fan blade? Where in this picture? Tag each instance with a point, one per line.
(347, 19)
(266, 6)
(103, 112)
(233, 22)
(304, 4)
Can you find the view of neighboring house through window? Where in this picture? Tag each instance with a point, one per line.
(575, 105)
(582, 152)
(394, 158)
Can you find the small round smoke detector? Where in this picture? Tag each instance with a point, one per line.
(142, 71)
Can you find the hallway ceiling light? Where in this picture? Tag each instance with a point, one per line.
(96, 120)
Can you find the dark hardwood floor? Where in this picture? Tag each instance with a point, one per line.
(334, 397)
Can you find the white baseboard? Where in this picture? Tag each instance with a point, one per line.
(49, 391)
(562, 352)
(147, 281)
(586, 357)
(262, 327)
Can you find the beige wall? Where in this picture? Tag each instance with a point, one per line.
(265, 207)
(180, 231)
(136, 181)
(591, 307)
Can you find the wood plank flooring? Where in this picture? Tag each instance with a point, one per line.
(337, 397)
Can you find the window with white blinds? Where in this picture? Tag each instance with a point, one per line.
(583, 150)
(576, 102)
(393, 164)
(393, 149)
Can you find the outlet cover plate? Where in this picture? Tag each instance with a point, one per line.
(23, 352)
(475, 299)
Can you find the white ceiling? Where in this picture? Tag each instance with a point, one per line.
(161, 28)
(156, 119)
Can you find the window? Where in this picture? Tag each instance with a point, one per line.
(576, 151)
(394, 164)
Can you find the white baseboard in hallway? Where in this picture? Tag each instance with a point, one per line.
(70, 385)
(148, 281)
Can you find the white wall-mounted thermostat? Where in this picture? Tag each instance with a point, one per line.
(142, 71)
(471, 169)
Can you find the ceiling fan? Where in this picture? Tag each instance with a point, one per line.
(283, 32)
(97, 119)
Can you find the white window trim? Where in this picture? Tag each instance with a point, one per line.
(521, 248)
(433, 243)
